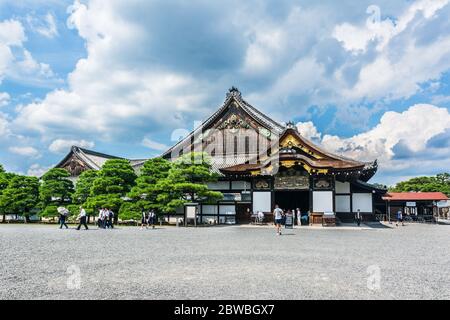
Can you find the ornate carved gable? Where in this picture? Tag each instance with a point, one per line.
(74, 166)
(234, 118)
(293, 142)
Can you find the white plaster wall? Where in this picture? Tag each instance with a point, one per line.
(262, 201)
(362, 201)
(342, 203)
(322, 201)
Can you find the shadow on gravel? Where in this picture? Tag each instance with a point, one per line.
(376, 225)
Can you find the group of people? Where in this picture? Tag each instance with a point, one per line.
(148, 219)
(280, 215)
(105, 219)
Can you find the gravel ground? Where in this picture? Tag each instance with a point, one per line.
(42, 262)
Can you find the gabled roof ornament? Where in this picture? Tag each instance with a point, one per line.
(234, 92)
(291, 125)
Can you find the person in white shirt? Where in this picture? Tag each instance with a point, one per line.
(101, 216)
(299, 216)
(260, 217)
(144, 219)
(82, 217)
(278, 217)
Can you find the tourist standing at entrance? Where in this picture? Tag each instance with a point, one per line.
(358, 217)
(82, 217)
(299, 216)
(399, 217)
(278, 217)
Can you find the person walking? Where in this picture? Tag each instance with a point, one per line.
(358, 217)
(278, 217)
(152, 219)
(99, 218)
(400, 217)
(110, 218)
(82, 217)
(63, 213)
(144, 219)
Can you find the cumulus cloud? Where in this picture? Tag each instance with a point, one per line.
(152, 66)
(399, 139)
(309, 131)
(16, 62)
(63, 146)
(349, 63)
(25, 151)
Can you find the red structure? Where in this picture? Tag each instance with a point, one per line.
(417, 206)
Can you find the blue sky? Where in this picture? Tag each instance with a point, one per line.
(366, 79)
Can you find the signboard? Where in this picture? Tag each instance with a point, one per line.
(410, 204)
(291, 180)
(289, 224)
(191, 212)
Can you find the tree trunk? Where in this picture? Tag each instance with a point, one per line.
(4, 218)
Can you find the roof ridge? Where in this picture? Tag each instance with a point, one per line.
(96, 153)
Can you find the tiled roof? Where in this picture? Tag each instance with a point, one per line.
(415, 196)
(95, 160)
(233, 95)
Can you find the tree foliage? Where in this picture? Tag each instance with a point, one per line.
(84, 185)
(145, 193)
(20, 196)
(187, 182)
(438, 183)
(116, 177)
(56, 189)
(113, 182)
(130, 211)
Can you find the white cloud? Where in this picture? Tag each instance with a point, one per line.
(45, 26)
(309, 131)
(63, 146)
(402, 63)
(113, 90)
(356, 38)
(350, 63)
(36, 170)
(12, 33)
(4, 99)
(154, 145)
(25, 151)
(16, 62)
(412, 129)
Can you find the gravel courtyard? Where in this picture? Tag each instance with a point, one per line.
(42, 262)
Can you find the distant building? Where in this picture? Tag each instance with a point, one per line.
(419, 206)
(79, 160)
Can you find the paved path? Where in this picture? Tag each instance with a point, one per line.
(231, 262)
